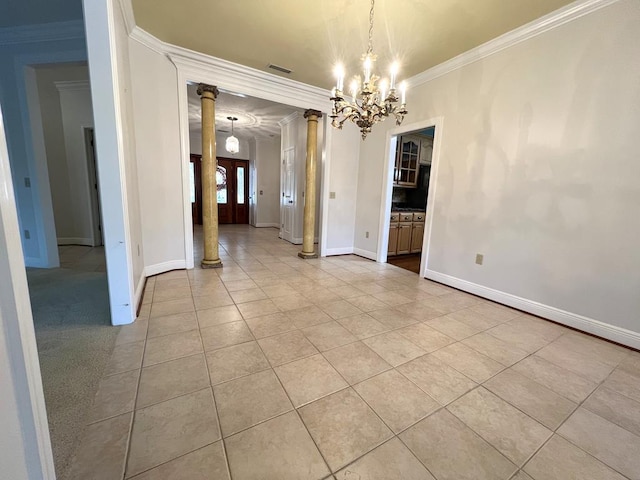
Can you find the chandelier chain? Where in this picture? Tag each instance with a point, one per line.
(370, 47)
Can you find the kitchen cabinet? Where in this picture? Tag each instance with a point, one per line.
(406, 231)
(404, 238)
(407, 162)
(393, 239)
(417, 234)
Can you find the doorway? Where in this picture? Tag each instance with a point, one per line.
(232, 179)
(409, 192)
(232, 190)
(287, 207)
(92, 170)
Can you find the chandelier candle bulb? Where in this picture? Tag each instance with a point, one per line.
(394, 72)
(403, 93)
(383, 90)
(376, 103)
(339, 72)
(367, 69)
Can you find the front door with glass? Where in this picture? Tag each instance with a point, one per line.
(232, 178)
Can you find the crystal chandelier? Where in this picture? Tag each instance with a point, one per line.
(369, 103)
(232, 144)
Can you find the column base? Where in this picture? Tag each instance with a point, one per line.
(307, 256)
(211, 263)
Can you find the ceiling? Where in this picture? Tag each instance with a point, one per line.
(256, 117)
(310, 36)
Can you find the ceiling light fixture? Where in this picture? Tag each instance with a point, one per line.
(369, 102)
(232, 144)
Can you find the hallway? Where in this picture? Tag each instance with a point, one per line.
(279, 368)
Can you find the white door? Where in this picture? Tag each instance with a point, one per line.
(287, 199)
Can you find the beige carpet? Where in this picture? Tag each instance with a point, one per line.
(75, 340)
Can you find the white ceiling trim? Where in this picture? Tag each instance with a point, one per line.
(199, 67)
(42, 32)
(543, 24)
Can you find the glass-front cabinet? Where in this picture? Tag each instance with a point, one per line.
(407, 162)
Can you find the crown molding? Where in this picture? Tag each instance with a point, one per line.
(196, 66)
(288, 119)
(240, 78)
(144, 38)
(532, 29)
(72, 85)
(127, 13)
(42, 32)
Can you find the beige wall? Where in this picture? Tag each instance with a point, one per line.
(538, 171)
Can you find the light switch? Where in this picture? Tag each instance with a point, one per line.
(332, 194)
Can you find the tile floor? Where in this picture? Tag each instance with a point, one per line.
(277, 368)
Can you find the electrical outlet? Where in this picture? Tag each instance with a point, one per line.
(27, 182)
(366, 234)
(479, 258)
(332, 195)
(27, 234)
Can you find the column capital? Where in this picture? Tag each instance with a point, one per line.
(203, 87)
(310, 112)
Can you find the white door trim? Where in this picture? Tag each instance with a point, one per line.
(194, 67)
(26, 445)
(387, 187)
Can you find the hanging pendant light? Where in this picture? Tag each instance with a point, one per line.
(368, 103)
(232, 144)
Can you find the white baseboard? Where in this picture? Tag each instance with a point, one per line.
(589, 325)
(365, 253)
(338, 251)
(263, 225)
(158, 268)
(75, 241)
(139, 289)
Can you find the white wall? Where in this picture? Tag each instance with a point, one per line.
(155, 100)
(128, 139)
(25, 447)
(538, 171)
(107, 44)
(267, 164)
(344, 148)
(35, 212)
(77, 114)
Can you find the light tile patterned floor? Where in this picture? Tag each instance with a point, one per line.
(279, 368)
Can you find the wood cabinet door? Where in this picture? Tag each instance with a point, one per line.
(404, 238)
(393, 239)
(417, 234)
(407, 162)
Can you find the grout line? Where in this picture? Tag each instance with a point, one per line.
(133, 413)
(215, 405)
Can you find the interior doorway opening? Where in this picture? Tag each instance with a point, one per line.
(251, 186)
(407, 210)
